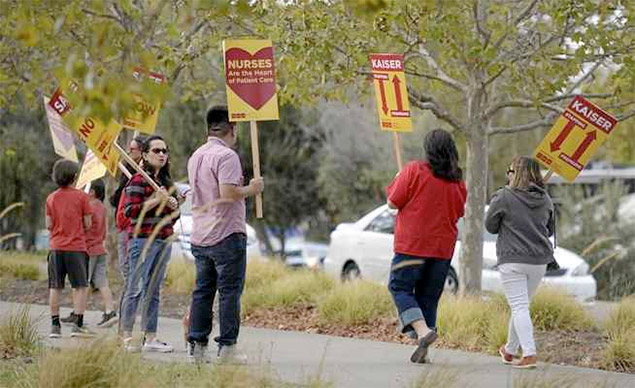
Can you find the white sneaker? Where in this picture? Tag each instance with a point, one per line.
(229, 354)
(130, 346)
(155, 345)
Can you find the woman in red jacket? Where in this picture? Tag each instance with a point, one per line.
(430, 197)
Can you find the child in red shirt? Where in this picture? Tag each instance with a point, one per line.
(68, 214)
(98, 264)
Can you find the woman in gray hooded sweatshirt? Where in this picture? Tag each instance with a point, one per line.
(521, 213)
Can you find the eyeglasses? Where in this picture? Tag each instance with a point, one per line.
(157, 151)
(510, 171)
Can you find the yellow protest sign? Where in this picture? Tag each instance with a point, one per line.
(92, 169)
(391, 93)
(63, 142)
(575, 136)
(250, 80)
(92, 131)
(144, 115)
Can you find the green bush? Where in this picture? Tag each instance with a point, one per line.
(356, 303)
(553, 309)
(18, 270)
(620, 330)
(263, 272)
(19, 335)
(294, 288)
(473, 323)
(180, 277)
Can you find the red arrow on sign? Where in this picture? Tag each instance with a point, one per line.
(382, 93)
(396, 83)
(590, 138)
(555, 145)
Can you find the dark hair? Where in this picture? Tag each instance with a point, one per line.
(164, 174)
(442, 155)
(526, 172)
(64, 172)
(99, 188)
(139, 139)
(218, 121)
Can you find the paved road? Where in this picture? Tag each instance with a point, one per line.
(357, 363)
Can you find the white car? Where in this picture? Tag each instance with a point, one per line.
(181, 247)
(365, 249)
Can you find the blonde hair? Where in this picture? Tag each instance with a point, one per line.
(526, 172)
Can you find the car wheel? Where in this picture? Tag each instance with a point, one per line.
(351, 272)
(451, 282)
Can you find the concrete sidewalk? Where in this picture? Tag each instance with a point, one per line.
(348, 362)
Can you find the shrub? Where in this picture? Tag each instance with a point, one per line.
(180, 277)
(294, 288)
(552, 309)
(473, 323)
(99, 364)
(620, 330)
(264, 272)
(439, 377)
(19, 268)
(19, 335)
(356, 303)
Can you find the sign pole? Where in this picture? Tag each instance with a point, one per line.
(124, 170)
(547, 176)
(255, 155)
(397, 143)
(137, 168)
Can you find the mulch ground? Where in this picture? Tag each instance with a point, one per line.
(583, 349)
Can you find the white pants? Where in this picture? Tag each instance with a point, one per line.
(520, 282)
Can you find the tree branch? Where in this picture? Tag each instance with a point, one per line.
(428, 102)
(626, 116)
(479, 19)
(101, 15)
(521, 104)
(440, 73)
(430, 77)
(544, 122)
(586, 95)
(579, 82)
(521, 16)
(524, 13)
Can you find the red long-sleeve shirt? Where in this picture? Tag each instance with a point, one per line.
(429, 208)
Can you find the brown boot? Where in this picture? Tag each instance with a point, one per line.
(507, 358)
(528, 362)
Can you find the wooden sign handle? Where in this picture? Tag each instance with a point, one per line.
(397, 144)
(255, 155)
(124, 170)
(547, 176)
(137, 168)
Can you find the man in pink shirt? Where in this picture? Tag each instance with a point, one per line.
(219, 240)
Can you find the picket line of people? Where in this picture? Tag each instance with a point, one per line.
(429, 196)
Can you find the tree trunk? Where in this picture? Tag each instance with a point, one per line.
(472, 240)
(471, 258)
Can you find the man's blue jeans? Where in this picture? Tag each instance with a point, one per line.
(144, 282)
(221, 267)
(416, 284)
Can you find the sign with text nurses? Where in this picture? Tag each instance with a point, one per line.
(250, 79)
(63, 142)
(92, 169)
(98, 136)
(575, 136)
(391, 93)
(143, 116)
